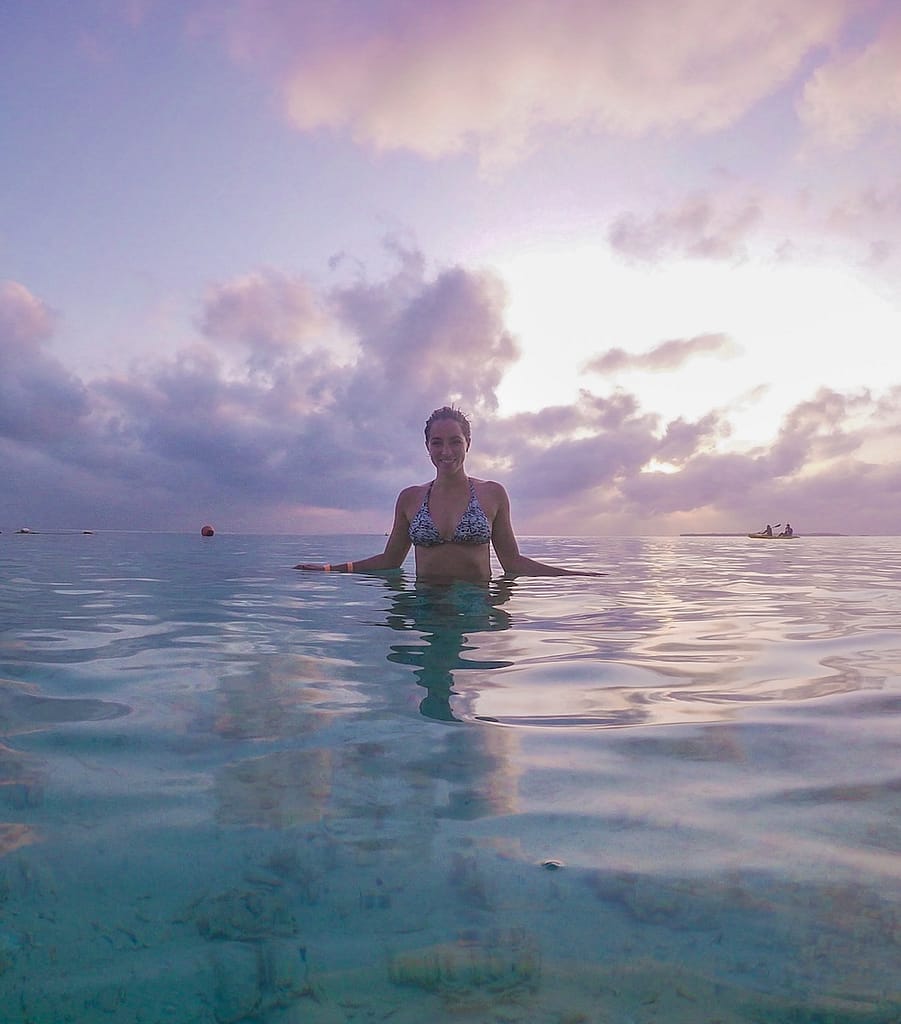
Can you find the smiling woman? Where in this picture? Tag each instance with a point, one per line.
(452, 520)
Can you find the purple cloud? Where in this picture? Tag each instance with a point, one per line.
(315, 440)
(668, 355)
(39, 399)
(698, 228)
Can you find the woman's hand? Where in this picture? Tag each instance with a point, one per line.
(327, 567)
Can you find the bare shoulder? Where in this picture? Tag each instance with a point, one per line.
(413, 490)
(490, 493)
(411, 497)
(488, 486)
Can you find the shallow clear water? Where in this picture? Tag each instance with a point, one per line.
(234, 792)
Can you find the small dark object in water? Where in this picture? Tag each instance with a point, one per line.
(207, 531)
(552, 865)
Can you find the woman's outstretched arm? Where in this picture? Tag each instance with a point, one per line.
(506, 548)
(396, 549)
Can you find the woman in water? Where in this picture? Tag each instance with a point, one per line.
(451, 520)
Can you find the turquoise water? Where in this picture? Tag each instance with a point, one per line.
(233, 792)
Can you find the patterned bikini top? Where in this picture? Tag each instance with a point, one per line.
(473, 527)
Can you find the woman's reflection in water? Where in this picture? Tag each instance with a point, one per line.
(445, 616)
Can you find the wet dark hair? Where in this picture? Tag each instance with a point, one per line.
(449, 412)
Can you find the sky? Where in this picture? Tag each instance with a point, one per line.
(653, 250)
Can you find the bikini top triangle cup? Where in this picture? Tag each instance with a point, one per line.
(473, 527)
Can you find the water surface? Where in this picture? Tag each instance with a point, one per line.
(234, 792)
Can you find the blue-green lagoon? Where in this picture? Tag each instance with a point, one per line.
(232, 792)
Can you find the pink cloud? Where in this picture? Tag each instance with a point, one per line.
(445, 77)
(25, 321)
(872, 218)
(265, 310)
(856, 93)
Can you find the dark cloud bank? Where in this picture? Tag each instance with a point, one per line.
(297, 410)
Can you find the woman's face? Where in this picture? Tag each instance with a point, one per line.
(447, 445)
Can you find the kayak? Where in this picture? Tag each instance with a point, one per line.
(773, 536)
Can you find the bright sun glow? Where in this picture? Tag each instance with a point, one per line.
(783, 321)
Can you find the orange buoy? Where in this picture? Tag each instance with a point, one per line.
(207, 531)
